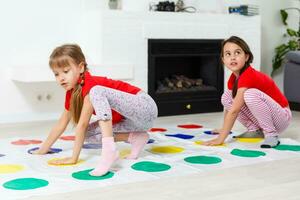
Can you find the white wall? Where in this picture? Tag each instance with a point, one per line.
(31, 29)
(273, 30)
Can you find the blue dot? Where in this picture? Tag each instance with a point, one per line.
(92, 146)
(212, 133)
(150, 141)
(51, 151)
(181, 136)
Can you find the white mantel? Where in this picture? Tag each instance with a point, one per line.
(124, 35)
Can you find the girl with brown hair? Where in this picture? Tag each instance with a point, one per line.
(252, 98)
(122, 111)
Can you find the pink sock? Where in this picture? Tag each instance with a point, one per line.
(138, 140)
(108, 157)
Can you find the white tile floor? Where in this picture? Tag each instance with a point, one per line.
(268, 180)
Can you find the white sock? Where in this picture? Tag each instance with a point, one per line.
(269, 142)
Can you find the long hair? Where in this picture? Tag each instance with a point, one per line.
(63, 56)
(244, 46)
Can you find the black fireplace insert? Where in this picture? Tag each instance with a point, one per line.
(185, 76)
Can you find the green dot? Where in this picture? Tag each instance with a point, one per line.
(247, 153)
(84, 175)
(148, 166)
(285, 147)
(203, 160)
(25, 184)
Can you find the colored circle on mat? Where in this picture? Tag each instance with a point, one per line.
(10, 168)
(67, 137)
(26, 142)
(286, 147)
(181, 136)
(190, 126)
(148, 166)
(199, 142)
(249, 140)
(203, 160)
(25, 184)
(64, 165)
(247, 153)
(166, 149)
(124, 153)
(51, 151)
(150, 141)
(1, 155)
(212, 133)
(92, 146)
(158, 130)
(84, 175)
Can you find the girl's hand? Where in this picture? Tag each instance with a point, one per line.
(63, 161)
(214, 142)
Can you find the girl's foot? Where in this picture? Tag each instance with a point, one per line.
(270, 142)
(138, 140)
(109, 155)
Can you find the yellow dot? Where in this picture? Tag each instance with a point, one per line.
(166, 149)
(64, 165)
(249, 140)
(199, 142)
(9, 168)
(124, 153)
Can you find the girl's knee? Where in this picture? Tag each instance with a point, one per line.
(226, 99)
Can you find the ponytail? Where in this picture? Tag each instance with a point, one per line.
(235, 85)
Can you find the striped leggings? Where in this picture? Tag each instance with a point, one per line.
(260, 111)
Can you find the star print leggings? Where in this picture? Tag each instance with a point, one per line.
(139, 111)
(260, 112)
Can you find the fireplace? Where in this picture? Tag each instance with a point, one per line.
(185, 76)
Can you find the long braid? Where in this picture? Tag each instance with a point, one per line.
(236, 82)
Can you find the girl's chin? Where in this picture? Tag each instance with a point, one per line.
(235, 68)
(67, 88)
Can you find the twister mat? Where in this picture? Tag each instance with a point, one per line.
(175, 150)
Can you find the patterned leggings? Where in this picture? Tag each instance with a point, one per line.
(139, 111)
(260, 112)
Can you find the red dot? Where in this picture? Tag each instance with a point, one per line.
(189, 126)
(68, 138)
(158, 130)
(26, 142)
(35, 141)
